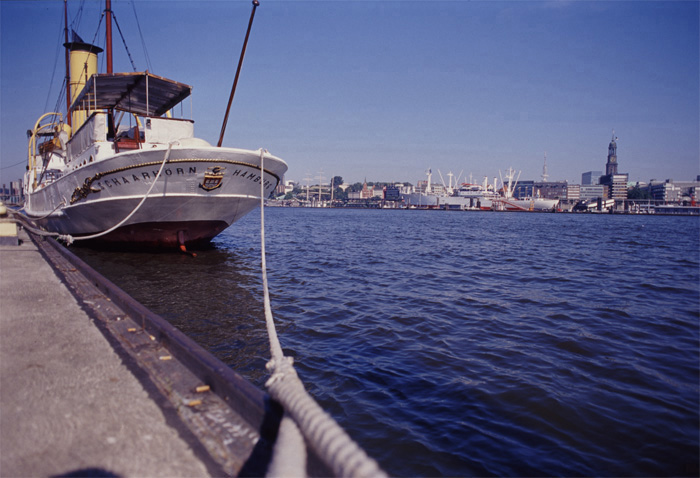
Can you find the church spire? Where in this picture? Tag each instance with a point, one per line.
(611, 166)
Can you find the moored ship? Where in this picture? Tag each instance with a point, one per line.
(118, 168)
(467, 196)
(478, 196)
(510, 203)
(471, 196)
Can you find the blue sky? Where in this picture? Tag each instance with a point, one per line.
(384, 90)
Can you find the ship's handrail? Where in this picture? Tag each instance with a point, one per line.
(303, 417)
(38, 130)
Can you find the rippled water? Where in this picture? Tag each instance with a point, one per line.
(462, 343)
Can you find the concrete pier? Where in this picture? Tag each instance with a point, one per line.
(68, 404)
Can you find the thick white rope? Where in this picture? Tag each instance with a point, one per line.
(26, 220)
(289, 457)
(275, 347)
(63, 203)
(331, 443)
(23, 221)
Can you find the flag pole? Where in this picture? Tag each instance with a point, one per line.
(256, 3)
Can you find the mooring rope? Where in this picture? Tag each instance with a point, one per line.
(24, 221)
(68, 239)
(330, 442)
(62, 203)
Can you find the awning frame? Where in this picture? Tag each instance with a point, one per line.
(140, 93)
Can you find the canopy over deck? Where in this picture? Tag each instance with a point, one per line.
(141, 93)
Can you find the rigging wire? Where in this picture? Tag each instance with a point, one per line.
(149, 67)
(13, 165)
(55, 66)
(75, 24)
(97, 31)
(61, 96)
(126, 47)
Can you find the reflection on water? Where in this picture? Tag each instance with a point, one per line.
(213, 298)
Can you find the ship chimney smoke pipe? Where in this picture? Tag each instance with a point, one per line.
(83, 64)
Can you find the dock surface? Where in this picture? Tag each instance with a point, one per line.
(68, 404)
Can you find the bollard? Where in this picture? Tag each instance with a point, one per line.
(8, 228)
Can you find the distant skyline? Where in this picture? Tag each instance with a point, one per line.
(385, 90)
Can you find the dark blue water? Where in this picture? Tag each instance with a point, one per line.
(462, 343)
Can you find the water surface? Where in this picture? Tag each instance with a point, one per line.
(462, 343)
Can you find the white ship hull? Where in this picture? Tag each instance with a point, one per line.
(421, 200)
(468, 203)
(534, 204)
(179, 209)
(432, 201)
(477, 197)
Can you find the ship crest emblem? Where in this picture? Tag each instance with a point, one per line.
(212, 178)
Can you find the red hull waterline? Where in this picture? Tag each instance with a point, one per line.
(160, 235)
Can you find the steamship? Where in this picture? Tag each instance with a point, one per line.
(120, 169)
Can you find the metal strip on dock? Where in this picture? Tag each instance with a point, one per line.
(235, 422)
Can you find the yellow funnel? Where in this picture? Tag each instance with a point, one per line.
(83, 64)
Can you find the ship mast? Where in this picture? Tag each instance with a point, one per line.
(110, 68)
(108, 32)
(65, 34)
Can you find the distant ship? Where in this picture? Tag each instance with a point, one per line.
(510, 203)
(120, 169)
(467, 196)
(529, 204)
(477, 197)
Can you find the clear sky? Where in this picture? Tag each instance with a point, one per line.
(384, 90)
